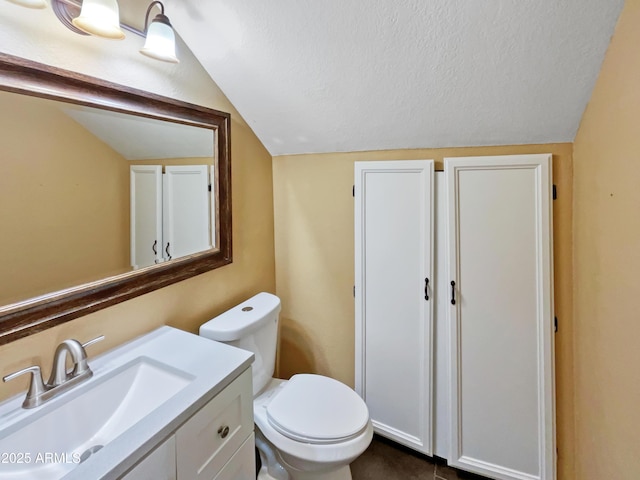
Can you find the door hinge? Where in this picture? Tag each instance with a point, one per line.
(354, 291)
(555, 193)
(353, 191)
(555, 324)
(209, 187)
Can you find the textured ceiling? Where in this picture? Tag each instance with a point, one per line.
(348, 75)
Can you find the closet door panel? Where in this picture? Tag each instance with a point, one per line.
(187, 210)
(501, 323)
(394, 331)
(146, 215)
(442, 401)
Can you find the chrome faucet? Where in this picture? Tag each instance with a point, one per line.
(60, 379)
(75, 350)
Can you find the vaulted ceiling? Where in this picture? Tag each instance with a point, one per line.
(349, 75)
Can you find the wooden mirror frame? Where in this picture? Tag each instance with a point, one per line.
(26, 77)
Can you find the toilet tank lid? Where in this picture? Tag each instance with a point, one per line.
(242, 319)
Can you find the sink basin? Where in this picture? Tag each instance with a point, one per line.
(50, 441)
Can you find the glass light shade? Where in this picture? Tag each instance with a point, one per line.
(101, 18)
(160, 43)
(30, 3)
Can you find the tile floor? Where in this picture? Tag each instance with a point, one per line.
(386, 460)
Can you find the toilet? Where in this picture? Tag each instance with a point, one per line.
(310, 427)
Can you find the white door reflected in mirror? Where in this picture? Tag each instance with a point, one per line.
(170, 212)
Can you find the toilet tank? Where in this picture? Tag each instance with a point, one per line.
(251, 325)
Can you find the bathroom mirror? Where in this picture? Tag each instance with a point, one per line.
(71, 206)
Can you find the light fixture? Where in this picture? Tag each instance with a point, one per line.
(30, 3)
(101, 18)
(160, 42)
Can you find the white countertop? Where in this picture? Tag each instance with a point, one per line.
(212, 365)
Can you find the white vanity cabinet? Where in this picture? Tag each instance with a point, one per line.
(476, 378)
(160, 464)
(217, 442)
(208, 440)
(242, 464)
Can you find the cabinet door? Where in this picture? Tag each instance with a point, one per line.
(442, 402)
(208, 440)
(242, 465)
(213, 220)
(186, 212)
(160, 464)
(500, 275)
(146, 215)
(394, 297)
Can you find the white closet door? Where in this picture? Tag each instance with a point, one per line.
(500, 258)
(442, 406)
(393, 259)
(213, 208)
(186, 215)
(146, 215)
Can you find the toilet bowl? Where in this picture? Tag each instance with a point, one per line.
(317, 426)
(310, 427)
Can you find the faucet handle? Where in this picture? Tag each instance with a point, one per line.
(36, 386)
(81, 366)
(91, 342)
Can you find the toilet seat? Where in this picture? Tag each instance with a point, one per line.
(317, 410)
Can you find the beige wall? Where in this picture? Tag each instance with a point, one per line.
(607, 264)
(315, 265)
(64, 202)
(186, 304)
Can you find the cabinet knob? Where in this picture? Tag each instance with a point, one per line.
(223, 431)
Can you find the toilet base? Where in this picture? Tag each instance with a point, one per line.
(274, 467)
(343, 473)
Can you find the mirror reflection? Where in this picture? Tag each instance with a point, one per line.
(87, 194)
